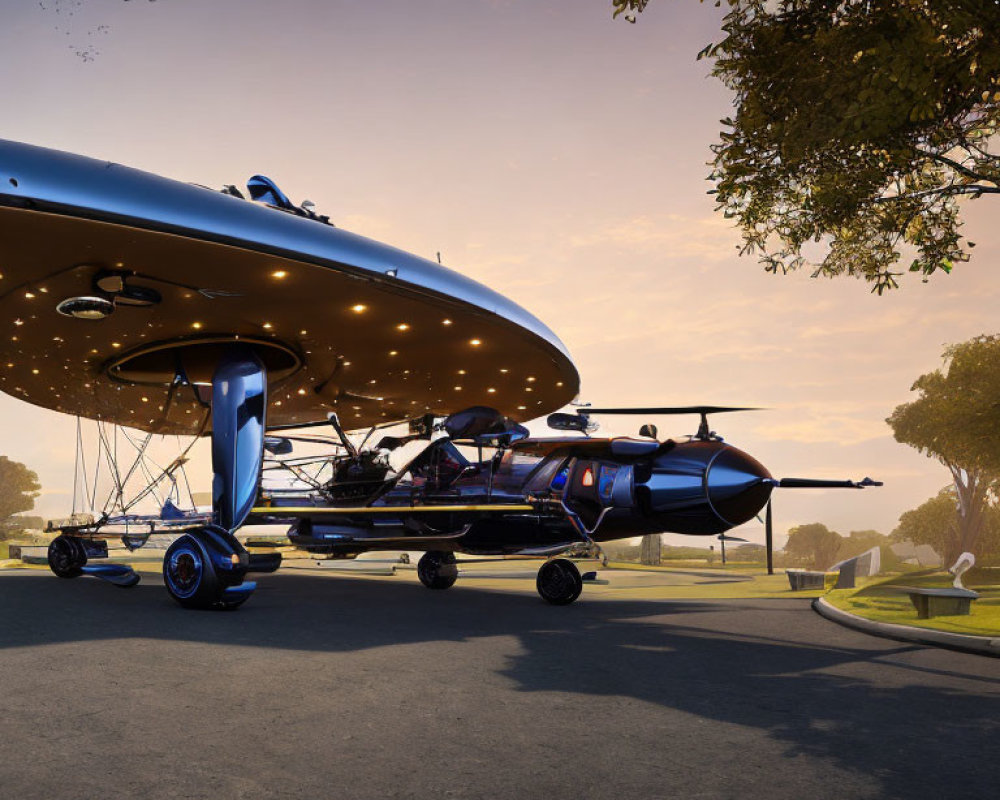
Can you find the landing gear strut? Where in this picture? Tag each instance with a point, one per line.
(437, 569)
(559, 582)
(205, 568)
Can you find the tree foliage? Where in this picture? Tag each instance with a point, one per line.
(858, 125)
(936, 522)
(813, 544)
(955, 420)
(629, 8)
(858, 542)
(18, 489)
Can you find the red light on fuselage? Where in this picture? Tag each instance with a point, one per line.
(588, 477)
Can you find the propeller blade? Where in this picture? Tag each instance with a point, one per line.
(584, 410)
(769, 539)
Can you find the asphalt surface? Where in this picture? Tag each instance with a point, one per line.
(360, 687)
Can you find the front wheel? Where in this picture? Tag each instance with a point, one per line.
(67, 556)
(437, 569)
(559, 582)
(189, 575)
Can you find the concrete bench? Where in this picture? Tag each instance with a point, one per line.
(30, 553)
(800, 579)
(940, 602)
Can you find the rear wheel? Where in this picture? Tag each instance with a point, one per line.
(67, 556)
(559, 582)
(437, 569)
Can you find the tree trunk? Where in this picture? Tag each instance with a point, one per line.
(649, 554)
(970, 488)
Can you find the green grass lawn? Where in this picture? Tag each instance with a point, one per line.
(702, 587)
(882, 602)
(696, 565)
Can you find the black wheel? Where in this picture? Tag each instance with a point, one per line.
(67, 556)
(437, 569)
(205, 568)
(189, 575)
(559, 582)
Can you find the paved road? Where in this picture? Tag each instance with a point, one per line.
(355, 687)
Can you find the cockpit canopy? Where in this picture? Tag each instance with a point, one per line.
(483, 425)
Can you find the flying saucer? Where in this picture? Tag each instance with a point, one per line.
(120, 289)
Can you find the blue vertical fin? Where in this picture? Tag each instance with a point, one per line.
(239, 407)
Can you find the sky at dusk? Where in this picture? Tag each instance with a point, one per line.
(544, 150)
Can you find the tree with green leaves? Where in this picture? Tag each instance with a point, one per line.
(955, 420)
(858, 542)
(859, 129)
(18, 489)
(936, 522)
(813, 544)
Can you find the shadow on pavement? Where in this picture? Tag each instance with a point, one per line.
(915, 722)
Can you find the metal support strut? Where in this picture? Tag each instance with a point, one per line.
(239, 407)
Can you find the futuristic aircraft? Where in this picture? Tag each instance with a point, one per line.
(172, 308)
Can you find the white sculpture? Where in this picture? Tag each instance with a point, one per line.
(964, 563)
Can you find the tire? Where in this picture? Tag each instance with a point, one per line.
(559, 582)
(67, 556)
(437, 570)
(189, 575)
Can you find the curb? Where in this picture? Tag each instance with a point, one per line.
(980, 645)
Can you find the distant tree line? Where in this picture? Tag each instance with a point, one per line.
(816, 546)
(812, 545)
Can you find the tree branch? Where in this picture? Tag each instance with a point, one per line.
(941, 190)
(955, 165)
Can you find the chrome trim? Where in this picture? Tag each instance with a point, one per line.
(708, 489)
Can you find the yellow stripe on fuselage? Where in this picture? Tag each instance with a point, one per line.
(309, 510)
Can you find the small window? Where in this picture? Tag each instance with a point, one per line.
(559, 481)
(606, 481)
